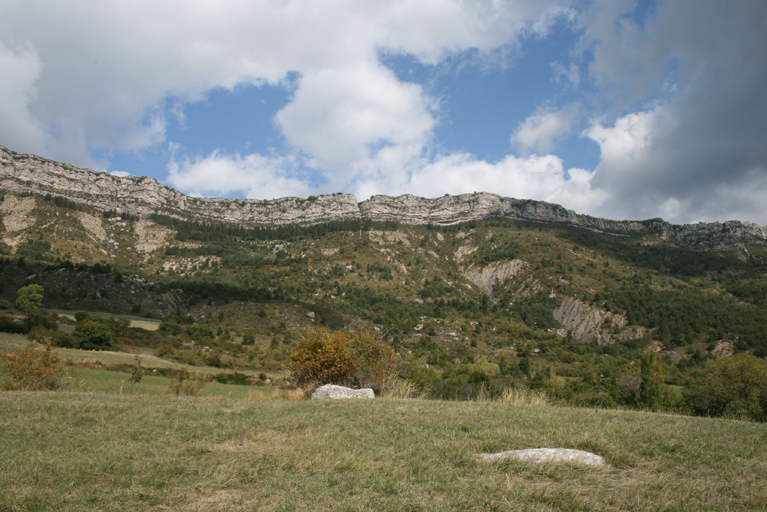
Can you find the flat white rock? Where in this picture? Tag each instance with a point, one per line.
(547, 455)
(333, 392)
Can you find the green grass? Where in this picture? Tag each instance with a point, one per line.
(104, 381)
(10, 343)
(87, 451)
(147, 324)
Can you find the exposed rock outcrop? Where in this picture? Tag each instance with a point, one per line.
(558, 455)
(486, 278)
(143, 196)
(333, 392)
(588, 323)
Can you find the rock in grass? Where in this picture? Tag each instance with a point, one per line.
(547, 455)
(332, 392)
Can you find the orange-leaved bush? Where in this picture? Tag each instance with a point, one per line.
(35, 369)
(344, 359)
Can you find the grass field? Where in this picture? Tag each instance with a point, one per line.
(147, 324)
(104, 381)
(97, 451)
(10, 343)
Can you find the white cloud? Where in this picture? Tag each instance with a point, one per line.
(108, 67)
(541, 131)
(628, 140)
(675, 97)
(19, 129)
(535, 177)
(257, 176)
(341, 115)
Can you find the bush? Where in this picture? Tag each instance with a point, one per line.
(185, 383)
(342, 358)
(35, 369)
(30, 299)
(94, 334)
(734, 387)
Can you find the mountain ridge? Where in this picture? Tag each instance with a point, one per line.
(145, 196)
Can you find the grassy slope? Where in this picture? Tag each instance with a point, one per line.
(80, 451)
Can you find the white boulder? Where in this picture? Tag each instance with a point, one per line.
(333, 392)
(547, 455)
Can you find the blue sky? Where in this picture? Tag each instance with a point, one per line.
(617, 108)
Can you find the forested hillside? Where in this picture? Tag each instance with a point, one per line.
(472, 307)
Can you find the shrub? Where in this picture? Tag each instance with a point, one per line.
(342, 358)
(137, 372)
(185, 383)
(94, 333)
(734, 387)
(30, 299)
(35, 369)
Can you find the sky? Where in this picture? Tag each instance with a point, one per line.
(616, 108)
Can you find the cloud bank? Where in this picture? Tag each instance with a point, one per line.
(670, 91)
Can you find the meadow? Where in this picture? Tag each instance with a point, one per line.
(106, 451)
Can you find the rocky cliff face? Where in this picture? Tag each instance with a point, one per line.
(142, 196)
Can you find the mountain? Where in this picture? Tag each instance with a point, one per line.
(145, 196)
(474, 291)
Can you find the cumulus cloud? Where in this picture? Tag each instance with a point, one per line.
(699, 140)
(535, 177)
(103, 81)
(342, 115)
(541, 131)
(258, 176)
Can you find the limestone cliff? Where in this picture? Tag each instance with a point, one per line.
(142, 196)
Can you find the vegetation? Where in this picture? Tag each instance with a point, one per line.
(235, 300)
(34, 369)
(183, 382)
(30, 299)
(735, 387)
(85, 451)
(341, 358)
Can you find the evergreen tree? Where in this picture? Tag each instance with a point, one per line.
(653, 388)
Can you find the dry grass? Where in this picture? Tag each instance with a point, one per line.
(523, 396)
(85, 451)
(403, 389)
(289, 394)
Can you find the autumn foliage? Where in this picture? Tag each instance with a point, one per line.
(34, 369)
(356, 360)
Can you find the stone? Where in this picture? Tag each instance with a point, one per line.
(547, 455)
(333, 392)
